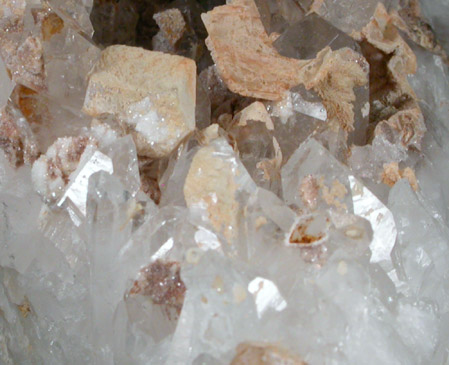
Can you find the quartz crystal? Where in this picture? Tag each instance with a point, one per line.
(211, 182)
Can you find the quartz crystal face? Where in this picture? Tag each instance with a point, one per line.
(218, 182)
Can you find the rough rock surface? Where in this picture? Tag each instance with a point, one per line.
(244, 54)
(151, 93)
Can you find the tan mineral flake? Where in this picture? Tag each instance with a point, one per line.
(255, 353)
(244, 55)
(16, 137)
(392, 174)
(172, 24)
(25, 62)
(406, 127)
(394, 107)
(210, 184)
(208, 134)
(22, 52)
(409, 20)
(151, 93)
(334, 75)
(255, 112)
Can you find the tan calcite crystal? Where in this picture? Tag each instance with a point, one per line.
(210, 184)
(51, 172)
(25, 62)
(391, 61)
(21, 51)
(406, 127)
(151, 93)
(244, 55)
(334, 75)
(392, 174)
(382, 33)
(16, 137)
(253, 353)
(241, 132)
(172, 24)
(206, 135)
(249, 64)
(408, 18)
(256, 112)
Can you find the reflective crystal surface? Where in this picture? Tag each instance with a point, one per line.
(263, 182)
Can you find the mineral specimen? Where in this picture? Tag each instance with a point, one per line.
(152, 95)
(264, 182)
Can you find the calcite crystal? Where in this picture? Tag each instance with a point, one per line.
(263, 182)
(264, 354)
(244, 54)
(212, 184)
(151, 93)
(172, 25)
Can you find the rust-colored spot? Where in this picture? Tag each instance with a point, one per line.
(25, 308)
(299, 235)
(51, 24)
(30, 104)
(257, 353)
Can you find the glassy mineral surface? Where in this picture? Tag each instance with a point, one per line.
(244, 182)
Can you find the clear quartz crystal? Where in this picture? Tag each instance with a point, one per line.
(317, 179)
(267, 232)
(303, 40)
(7, 84)
(347, 15)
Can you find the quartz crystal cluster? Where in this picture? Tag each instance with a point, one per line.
(238, 182)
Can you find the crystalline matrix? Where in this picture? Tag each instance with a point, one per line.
(224, 182)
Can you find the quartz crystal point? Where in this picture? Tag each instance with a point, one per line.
(300, 114)
(345, 14)
(259, 150)
(151, 93)
(215, 187)
(74, 12)
(438, 15)
(277, 16)
(305, 39)
(314, 179)
(164, 208)
(6, 82)
(17, 139)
